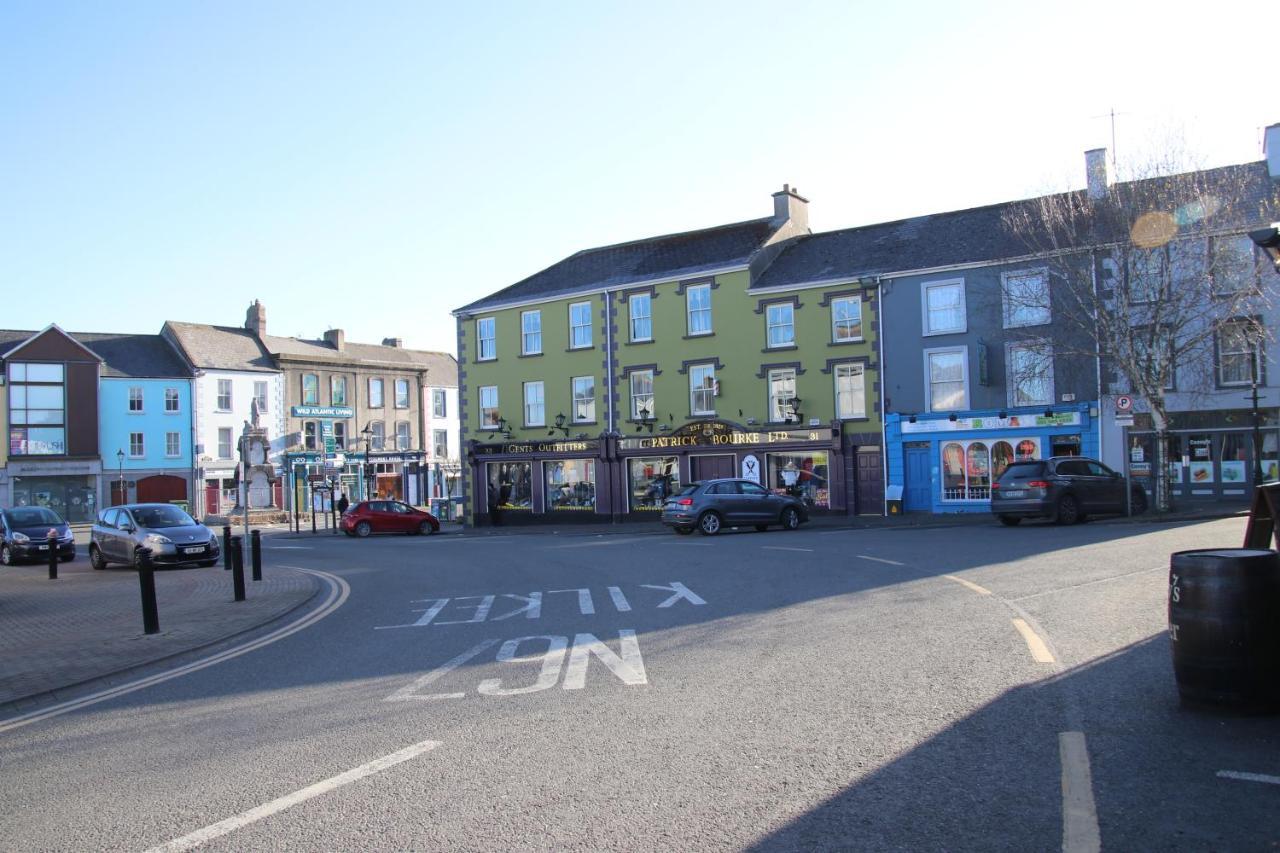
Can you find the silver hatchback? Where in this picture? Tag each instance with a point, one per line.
(162, 533)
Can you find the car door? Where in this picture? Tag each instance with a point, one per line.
(381, 517)
(1074, 478)
(724, 499)
(405, 521)
(758, 502)
(107, 534)
(1110, 486)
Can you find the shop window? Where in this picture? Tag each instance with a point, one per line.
(653, 480)
(978, 471)
(846, 319)
(1001, 456)
(511, 485)
(571, 484)
(969, 467)
(1235, 453)
(802, 475)
(531, 332)
(641, 310)
(73, 498)
(1065, 445)
(309, 433)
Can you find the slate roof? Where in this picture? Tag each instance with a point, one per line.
(441, 367)
(667, 257)
(220, 347)
(124, 356)
(982, 234)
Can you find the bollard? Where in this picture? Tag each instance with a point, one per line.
(313, 519)
(255, 547)
(147, 582)
(237, 567)
(53, 554)
(226, 546)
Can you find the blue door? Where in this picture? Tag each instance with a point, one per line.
(919, 488)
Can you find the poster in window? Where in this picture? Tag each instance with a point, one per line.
(1233, 472)
(1201, 472)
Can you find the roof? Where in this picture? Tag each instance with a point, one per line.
(123, 356)
(1237, 197)
(220, 347)
(438, 364)
(683, 255)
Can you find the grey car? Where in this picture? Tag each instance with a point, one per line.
(163, 533)
(711, 505)
(1066, 489)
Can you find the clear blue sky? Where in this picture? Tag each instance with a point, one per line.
(372, 166)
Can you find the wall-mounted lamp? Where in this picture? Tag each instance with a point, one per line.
(644, 419)
(559, 426)
(952, 417)
(791, 409)
(1003, 415)
(1048, 412)
(911, 419)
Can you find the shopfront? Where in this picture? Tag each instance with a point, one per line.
(1209, 457)
(538, 482)
(72, 496)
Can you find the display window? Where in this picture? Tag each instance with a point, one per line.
(74, 497)
(571, 484)
(803, 475)
(653, 479)
(969, 467)
(511, 485)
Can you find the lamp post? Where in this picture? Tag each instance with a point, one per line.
(367, 434)
(120, 465)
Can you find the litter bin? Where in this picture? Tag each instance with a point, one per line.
(1224, 627)
(893, 500)
(440, 508)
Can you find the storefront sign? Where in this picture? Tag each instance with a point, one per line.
(751, 467)
(722, 435)
(326, 433)
(591, 446)
(323, 412)
(991, 422)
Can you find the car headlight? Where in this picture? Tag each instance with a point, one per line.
(155, 540)
(21, 538)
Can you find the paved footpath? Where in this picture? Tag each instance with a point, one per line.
(87, 625)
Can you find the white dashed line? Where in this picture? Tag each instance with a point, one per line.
(1039, 651)
(980, 590)
(1080, 832)
(879, 560)
(785, 548)
(1249, 777)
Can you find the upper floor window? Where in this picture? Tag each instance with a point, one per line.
(224, 442)
(440, 443)
(1025, 296)
(535, 413)
(642, 394)
(137, 446)
(378, 439)
(1030, 373)
(337, 390)
(851, 394)
(310, 389)
(780, 322)
(438, 405)
(698, 305)
(309, 435)
(172, 444)
(37, 409)
(947, 378)
(641, 309)
(584, 398)
(943, 304)
(1239, 353)
(172, 402)
(375, 392)
(260, 395)
(846, 319)
(486, 339)
(135, 400)
(579, 325)
(224, 395)
(531, 332)
(402, 393)
(1148, 272)
(1234, 265)
(404, 437)
(782, 395)
(1153, 354)
(489, 416)
(702, 389)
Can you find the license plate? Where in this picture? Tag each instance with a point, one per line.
(44, 547)
(1014, 493)
(198, 549)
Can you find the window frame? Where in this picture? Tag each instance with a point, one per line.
(311, 397)
(1008, 311)
(1241, 240)
(647, 317)
(963, 350)
(337, 383)
(377, 436)
(1254, 351)
(261, 398)
(138, 448)
(436, 443)
(377, 382)
(228, 395)
(173, 395)
(574, 328)
(589, 399)
(439, 403)
(861, 370)
(1045, 350)
(705, 369)
(406, 434)
(936, 284)
(790, 310)
(856, 301)
(230, 445)
(776, 376)
(174, 450)
(139, 398)
(481, 393)
(529, 335)
(408, 394)
(690, 310)
(489, 325)
(540, 403)
(636, 398)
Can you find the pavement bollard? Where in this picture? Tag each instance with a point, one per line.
(147, 582)
(226, 546)
(255, 548)
(237, 567)
(53, 555)
(313, 520)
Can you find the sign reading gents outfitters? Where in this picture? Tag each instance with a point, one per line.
(538, 447)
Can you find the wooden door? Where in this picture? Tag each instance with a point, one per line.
(919, 487)
(712, 467)
(870, 486)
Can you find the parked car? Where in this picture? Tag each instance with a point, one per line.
(24, 535)
(1066, 489)
(387, 517)
(711, 505)
(162, 532)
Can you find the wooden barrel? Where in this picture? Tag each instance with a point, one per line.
(1224, 627)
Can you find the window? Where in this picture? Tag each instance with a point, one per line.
(402, 393)
(641, 309)
(1238, 353)
(224, 395)
(172, 444)
(404, 438)
(1030, 373)
(579, 325)
(653, 480)
(309, 434)
(339, 435)
(489, 407)
(846, 319)
(260, 395)
(802, 475)
(571, 484)
(531, 332)
(1147, 271)
(137, 448)
(782, 393)
(486, 339)
(584, 399)
(510, 485)
(337, 390)
(642, 394)
(1026, 298)
(310, 389)
(702, 389)
(438, 406)
(224, 442)
(851, 395)
(1235, 268)
(780, 324)
(534, 412)
(698, 305)
(440, 443)
(37, 410)
(379, 437)
(375, 393)
(946, 379)
(135, 400)
(969, 468)
(172, 402)
(943, 303)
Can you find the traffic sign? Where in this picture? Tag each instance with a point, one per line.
(1124, 420)
(1124, 403)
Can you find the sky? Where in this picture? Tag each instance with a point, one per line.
(372, 167)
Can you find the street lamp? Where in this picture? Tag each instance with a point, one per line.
(367, 434)
(120, 463)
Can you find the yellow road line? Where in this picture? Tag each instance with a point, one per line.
(1039, 651)
(980, 590)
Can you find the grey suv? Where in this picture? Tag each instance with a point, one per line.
(1066, 489)
(713, 504)
(163, 533)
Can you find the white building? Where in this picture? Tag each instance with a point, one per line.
(441, 428)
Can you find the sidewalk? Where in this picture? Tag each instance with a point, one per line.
(87, 625)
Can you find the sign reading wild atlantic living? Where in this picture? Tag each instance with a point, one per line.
(323, 412)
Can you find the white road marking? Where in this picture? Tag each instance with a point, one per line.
(879, 560)
(594, 542)
(980, 590)
(1039, 651)
(410, 691)
(785, 548)
(679, 591)
(629, 667)
(619, 600)
(689, 544)
(231, 824)
(1249, 777)
(338, 592)
(289, 547)
(1080, 832)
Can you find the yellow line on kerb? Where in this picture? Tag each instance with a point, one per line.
(1039, 651)
(980, 590)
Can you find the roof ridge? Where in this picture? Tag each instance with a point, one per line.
(658, 237)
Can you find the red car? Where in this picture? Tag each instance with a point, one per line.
(387, 517)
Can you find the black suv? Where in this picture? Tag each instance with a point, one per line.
(712, 505)
(1066, 489)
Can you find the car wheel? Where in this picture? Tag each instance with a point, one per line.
(96, 559)
(6, 555)
(1068, 510)
(1139, 502)
(709, 524)
(762, 527)
(683, 531)
(1010, 520)
(363, 529)
(426, 528)
(790, 519)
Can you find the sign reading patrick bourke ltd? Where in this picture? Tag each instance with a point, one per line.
(718, 435)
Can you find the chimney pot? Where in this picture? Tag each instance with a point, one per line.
(255, 319)
(336, 338)
(790, 208)
(393, 342)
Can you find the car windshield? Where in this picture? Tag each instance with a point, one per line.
(162, 516)
(27, 516)
(688, 490)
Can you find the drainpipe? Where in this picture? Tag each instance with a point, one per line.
(884, 436)
(1097, 359)
(608, 355)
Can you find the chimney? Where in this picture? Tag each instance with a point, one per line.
(336, 339)
(393, 342)
(790, 207)
(1096, 173)
(255, 320)
(1271, 150)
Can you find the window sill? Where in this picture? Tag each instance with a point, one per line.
(178, 413)
(586, 423)
(586, 348)
(938, 332)
(486, 360)
(699, 335)
(850, 342)
(132, 412)
(529, 355)
(640, 343)
(781, 348)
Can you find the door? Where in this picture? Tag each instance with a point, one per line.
(712, 467)
(118, 493)
(161, 489)
(870, 483)
(918, 492)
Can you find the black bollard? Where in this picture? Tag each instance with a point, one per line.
(226, 546)
(53, 555)
(313, 519)
(255, 547)
(147, 581)
(237, 567)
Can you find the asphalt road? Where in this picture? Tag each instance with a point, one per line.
(973, 688)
